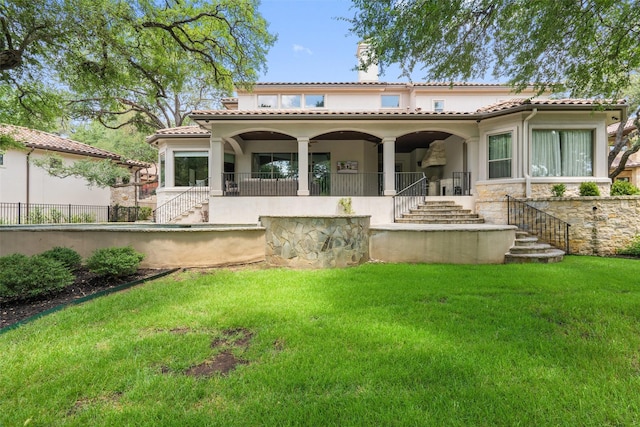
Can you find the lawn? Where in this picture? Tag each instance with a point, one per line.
(378, 344)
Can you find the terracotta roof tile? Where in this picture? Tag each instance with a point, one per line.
(628, 126)
(47, 141)
(517, 102)
(184, 130)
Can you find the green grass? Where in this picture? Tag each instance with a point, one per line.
(393, 345)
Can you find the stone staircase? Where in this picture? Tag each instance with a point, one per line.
(197, 214)
(527, 249)
(440, 212)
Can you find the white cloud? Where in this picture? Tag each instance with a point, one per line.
(300, 48)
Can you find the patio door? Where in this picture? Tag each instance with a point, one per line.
(320, 174)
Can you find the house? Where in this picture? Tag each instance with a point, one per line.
(631, 172)
(305, 148)
(22, 182)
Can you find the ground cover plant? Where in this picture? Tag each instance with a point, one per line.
(378, 344)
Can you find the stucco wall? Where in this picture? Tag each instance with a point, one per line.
(163, 247)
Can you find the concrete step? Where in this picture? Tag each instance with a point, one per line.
(466, 212)
(441, 221)
(548, 257)
(530, 249)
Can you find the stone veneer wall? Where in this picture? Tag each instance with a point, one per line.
(599, 225)
(123, 196)
(316, 241)
(491, 203)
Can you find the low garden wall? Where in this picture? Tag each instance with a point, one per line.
(163, 246)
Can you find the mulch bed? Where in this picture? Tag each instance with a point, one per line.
(86, 284)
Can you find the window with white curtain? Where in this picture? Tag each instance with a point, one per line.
(562, 152)
(500, 155)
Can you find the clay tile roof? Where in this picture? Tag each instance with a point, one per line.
(183, 130)
(517, 102)
(47, 141)
(628, 127)
(303, 112)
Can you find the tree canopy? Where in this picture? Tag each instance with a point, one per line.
(585, 48)
(149, 61)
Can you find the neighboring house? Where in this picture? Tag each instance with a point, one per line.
(631, 172)
(302, 148)
(21, 181)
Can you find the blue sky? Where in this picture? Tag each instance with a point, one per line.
(312, 46)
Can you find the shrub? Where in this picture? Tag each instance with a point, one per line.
(24, 277)
(114, 262)
(66, 256)
(623, 188)
(558, 190)
(633, 249)
(589, 189)
(144, 213)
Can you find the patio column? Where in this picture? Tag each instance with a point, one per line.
(389, 165)
(303, 166)
(216, 165)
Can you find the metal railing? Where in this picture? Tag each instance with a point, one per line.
(410, 197)
(322, 184)
(49, 213)
(461, 183)
(545, 227)
(180, 204)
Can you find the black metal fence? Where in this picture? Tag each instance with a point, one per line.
(410, 197)
(44, 213)
(547, 228)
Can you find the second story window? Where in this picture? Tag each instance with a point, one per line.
(314, 101)
(267, 101)
(438, 105)
(390, 101)
(291, 101)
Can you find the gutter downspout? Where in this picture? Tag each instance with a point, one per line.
(28, 189)
(525, 154)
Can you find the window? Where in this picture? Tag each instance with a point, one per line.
(1, 159)
(562, 153)
(500, 156)
(162, 168)
(438, 105)
(274, 165)
(291, 101)
(314, 101)
(390, 101)
(191, 168)
(267, 101)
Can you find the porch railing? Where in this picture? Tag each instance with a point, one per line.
(410, 197)
(547, 228)
(461, 183)
(180, 204)
(51, 213)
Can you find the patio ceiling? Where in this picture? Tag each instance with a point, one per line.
(404, 144)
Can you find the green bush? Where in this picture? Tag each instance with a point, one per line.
(633, 249)
(589, 189)
(66, 256)
(144, 213)
(23, 277)
(623, 188)
(114, 262)
(558, 190)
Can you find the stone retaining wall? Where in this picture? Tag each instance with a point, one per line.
(316, 241)
(599, 225)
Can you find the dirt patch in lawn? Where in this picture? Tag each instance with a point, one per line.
(224, 361)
